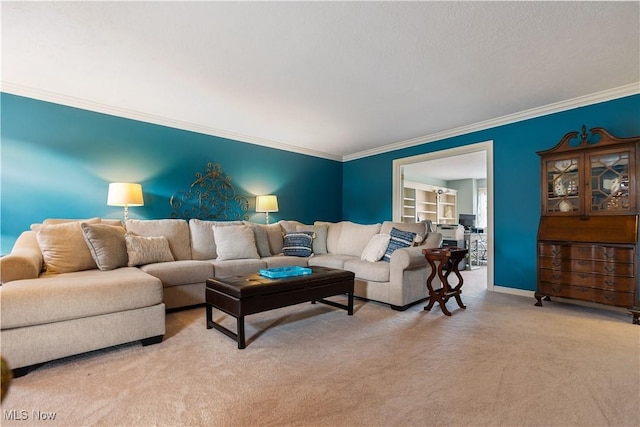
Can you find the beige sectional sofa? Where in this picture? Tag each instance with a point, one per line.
(68, 287)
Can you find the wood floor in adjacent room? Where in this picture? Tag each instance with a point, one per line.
(500, 362)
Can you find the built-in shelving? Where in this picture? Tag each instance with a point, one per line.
(428, 202)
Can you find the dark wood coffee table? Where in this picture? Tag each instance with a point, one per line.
(244, 295)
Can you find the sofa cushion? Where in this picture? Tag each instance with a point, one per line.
(147, 250)
(178, 273)
(114, 222)
(63, 247)
(375, 249)
(55, 221)
(365, 270)
(289, 226)
(320, 238)
(354, 238)
(329, 260)
(237, 267)
(75, 295)
(262, 241)
(203, 245)
(106, 244)
(276, 237)
(333, 234)
(176, 232)
(268, 238)
(235, 242)
(299, 243)
(399, 239)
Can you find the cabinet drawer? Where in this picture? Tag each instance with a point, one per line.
(603, 253)
(620, 299)
(587, 266)
(555, 263)
(602, 267)
(606, 282)
(554, 250)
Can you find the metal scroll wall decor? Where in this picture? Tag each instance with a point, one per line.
(210, 197)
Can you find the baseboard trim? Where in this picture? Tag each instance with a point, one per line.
(513, 291)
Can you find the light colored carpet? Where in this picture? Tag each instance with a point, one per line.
(500, 362)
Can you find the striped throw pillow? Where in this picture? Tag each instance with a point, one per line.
(399, 239)
(298, 244)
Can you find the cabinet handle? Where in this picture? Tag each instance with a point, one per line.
(556, 263)
(610, 256)
(557, 276)
(583, 289)
(556, 288)
(582, 275)
(610, 268)
(609, 282)
(582, 262)
(555, 251)
(610, 298)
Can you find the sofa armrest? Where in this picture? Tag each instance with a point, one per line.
(433, 240)
(24, 261)
(404, 258)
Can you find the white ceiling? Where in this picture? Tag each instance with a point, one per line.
(461, 166)
(333, 79)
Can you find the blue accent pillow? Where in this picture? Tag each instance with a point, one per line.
(298, 244)
(399, 239)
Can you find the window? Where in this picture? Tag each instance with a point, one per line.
(481, 218)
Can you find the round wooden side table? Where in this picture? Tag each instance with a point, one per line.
(439, 258)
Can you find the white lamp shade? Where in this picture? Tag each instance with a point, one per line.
(266, 203)
(125, 194)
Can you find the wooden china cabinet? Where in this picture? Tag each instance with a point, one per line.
(588, 232)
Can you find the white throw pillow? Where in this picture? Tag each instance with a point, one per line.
(202, 244)
(235, 242)
(375, 249)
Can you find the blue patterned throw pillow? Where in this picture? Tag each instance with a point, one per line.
(399, 239)
(298, 244)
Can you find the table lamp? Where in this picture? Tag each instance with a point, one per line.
(266, 204)
(125, 194)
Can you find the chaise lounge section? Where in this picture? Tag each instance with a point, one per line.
(70, 287)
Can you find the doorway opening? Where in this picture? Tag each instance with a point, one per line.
(455, 164)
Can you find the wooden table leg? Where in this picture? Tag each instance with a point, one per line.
(443, 257)
(240, 325)
(458, 289)
(438, 295)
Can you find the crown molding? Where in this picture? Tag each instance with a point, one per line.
(57, 98)
(70, 101)
(581, 101)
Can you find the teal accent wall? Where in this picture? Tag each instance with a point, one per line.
(367, 187)
(57, 162)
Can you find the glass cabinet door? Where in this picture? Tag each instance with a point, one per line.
(563, 189)
(609, 179)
